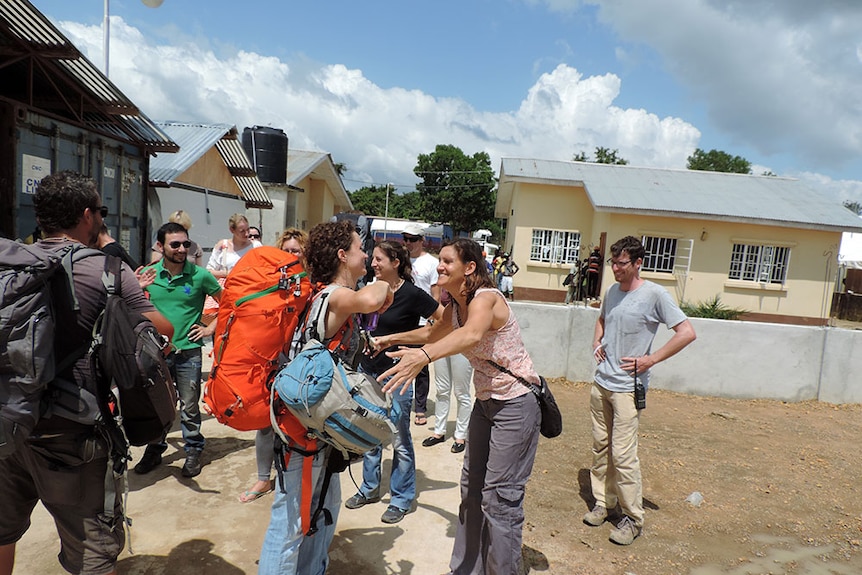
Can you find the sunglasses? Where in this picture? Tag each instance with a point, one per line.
(103, 210)
(254, 236)
(176, 245)
(411, 239)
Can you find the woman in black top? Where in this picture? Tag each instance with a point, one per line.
(391, 264)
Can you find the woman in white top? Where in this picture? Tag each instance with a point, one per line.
(227, 252)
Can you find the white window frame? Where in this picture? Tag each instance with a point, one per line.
(759, 263)
(549, 246)
(659, 254)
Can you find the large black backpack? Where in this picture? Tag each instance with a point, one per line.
(130, 387)
(127, 355)
(26, 338)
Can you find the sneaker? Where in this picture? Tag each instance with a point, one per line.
(192, 466)
(597, 516)
(360, 500)
(149, 461)
(625, 532)
(393, 514)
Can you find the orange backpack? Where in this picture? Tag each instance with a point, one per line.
(263, 298)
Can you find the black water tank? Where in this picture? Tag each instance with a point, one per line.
(266, 148)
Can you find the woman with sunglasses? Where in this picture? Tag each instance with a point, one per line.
(391, 264)
(292, 241)
(504, 426)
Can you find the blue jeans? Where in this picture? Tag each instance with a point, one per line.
(402, 482)
(185, 368)
(286, 549)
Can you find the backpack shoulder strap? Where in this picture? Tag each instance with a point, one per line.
(111, 278)
(71, 255)
(313, 325)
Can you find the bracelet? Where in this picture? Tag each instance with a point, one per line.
(422, 349)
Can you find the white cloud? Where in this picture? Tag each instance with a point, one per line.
(378, 133)
(783, 77)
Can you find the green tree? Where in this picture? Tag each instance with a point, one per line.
(603, 156)
(718, 161)
(409, 206)
(370, 200)
(854, 207)
(456, 188)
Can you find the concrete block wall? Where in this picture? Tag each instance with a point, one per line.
(735, 359)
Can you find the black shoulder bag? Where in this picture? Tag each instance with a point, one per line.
(552, 419)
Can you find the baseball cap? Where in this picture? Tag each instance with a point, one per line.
(413, 229)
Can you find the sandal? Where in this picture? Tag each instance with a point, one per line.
(252, 494)
(420, 419)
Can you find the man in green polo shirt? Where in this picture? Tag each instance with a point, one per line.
(178, 292)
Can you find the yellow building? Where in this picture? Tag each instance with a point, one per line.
(768, 245)
(313, 193)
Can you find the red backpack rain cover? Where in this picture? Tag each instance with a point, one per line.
(263, 298)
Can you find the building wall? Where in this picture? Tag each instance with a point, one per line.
(734, 359)
(804, 297)
(552, 208)
(211, 172)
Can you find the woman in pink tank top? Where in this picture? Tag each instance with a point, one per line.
(504, 426)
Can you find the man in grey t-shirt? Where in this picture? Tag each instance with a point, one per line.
(631, 312)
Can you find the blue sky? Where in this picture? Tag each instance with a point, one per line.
(377, 83)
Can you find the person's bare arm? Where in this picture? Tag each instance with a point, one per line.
(598, 334)
(430, 332)
(343, 303)
(683, 335)
(161, 322)
(481, 318)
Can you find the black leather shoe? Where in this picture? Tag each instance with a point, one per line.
(432, 441)
(149, 461)
(192, 466)
(458, 447)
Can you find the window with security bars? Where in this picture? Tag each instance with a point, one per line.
(757, 263)
(555, 246)
(659, 254)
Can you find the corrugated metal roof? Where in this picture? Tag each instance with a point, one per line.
(195, 140)
(304, 163)
(43, 69)
(687, 193)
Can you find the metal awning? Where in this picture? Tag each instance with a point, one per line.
(42, 69)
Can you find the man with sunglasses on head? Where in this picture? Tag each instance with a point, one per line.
(178, 291)
(631, 312)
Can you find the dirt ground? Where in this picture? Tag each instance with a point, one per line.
(781, 488)
(780, 482)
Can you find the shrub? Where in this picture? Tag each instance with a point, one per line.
(712, 308)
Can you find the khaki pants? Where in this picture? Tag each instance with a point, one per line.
(615, 476)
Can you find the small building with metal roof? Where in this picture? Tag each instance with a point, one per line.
(313, 193)
(210, 178)
(765, 244)
(59, 112)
